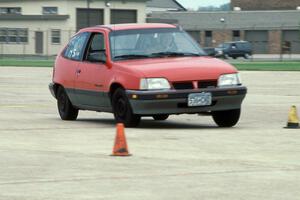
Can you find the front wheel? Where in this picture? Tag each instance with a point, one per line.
(65, 107)
(228, 118)
(122, 109)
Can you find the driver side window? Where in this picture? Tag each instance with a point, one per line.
(96, 49)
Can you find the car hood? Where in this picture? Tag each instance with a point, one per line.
(180, 69)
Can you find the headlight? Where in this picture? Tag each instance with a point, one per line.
(229, 80)
(154, 84)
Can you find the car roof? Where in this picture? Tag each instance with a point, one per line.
(236, 42)
(119, 27)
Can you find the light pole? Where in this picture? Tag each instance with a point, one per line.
(88, 2)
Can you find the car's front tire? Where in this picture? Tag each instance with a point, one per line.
(65, 107)
(122, 110)
(227, 118)
(160, 117)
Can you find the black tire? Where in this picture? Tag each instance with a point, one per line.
(122, 109)
(247, 56)
(65, 107)
(228, 118)
(160, 117)
(226, 56)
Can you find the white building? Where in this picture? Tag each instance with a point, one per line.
(43, 27)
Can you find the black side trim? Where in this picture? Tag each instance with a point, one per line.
(90, 100)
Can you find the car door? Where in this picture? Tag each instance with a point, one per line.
(233, 49)
(92, 74)
(72, 56)
(240, 49)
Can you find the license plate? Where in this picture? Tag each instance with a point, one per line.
(199, 99)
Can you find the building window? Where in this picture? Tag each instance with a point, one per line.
(12, 35)
(9, 35)
(208, 39)
(55, 36)
(208, 33)
(23, 35)
(195, 34)
(50, 10)
(3, 35)
(236, 35)
(10, 10)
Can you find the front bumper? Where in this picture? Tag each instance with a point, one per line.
(175, 101)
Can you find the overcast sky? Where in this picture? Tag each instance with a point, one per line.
(197, 3)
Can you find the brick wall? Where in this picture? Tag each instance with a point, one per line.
(220, 36)
(275, 42)
(266, 4)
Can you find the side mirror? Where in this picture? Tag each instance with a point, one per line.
(98, 56)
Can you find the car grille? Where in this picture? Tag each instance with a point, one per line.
(189, 85)
(207, 84)
(183, 86)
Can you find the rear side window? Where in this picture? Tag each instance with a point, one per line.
(240, 45)
(247, 45)
(76, 46)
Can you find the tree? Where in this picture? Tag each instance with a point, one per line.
(224, 7)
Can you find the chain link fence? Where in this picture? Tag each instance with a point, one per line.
(26, 44)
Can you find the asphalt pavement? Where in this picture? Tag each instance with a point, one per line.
(186, 157)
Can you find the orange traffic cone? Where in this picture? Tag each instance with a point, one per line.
(120, 147)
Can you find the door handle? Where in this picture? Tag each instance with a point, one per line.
(78, 71)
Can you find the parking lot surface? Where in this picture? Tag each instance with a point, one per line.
(186, 157)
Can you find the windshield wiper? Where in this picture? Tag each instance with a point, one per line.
(131, 56)
(174, 54)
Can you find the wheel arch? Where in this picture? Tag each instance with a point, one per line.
(55, 88)
(113, 87)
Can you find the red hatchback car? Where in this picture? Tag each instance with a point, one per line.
(137, 70)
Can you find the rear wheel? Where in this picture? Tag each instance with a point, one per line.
(65, 107)
(160, 117)
(122, 110)
(228, 118)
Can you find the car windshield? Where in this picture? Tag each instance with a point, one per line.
(151, 43)
(224, 45)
